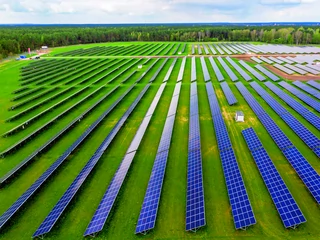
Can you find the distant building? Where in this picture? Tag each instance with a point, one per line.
(44, 49)
(239, 116)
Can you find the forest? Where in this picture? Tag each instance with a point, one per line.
(17, 39)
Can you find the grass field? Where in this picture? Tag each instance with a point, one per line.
(170, 222)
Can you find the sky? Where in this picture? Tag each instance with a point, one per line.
(157, 11)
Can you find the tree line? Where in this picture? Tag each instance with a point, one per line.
(14, 40)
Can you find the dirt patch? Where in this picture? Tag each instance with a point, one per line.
(290, 77)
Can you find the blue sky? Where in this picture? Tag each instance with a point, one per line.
(154, 11)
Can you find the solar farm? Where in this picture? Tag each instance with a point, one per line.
(140, 141)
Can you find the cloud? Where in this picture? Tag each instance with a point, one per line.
(139, 11)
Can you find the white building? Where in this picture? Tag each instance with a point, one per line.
(239, 116)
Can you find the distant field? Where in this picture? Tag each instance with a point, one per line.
(61, 82)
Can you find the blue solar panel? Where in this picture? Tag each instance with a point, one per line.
(308, 175)
(166, 78)
(241, 209)
(205, 49)
(284, 69)
(219, 49)
(305, 134)
(212, 49)
(158, 70)
(307, 89)
(294, 68)
(205, 71)
(257, 60)
(298, 107)
(228, 70)
(314, 84)
(303, 97)
(181, 71)
(5, 217)
(216, 70)
(193, 69)
(308, 69)
(287, 207)
(192, 49)
(98, 220)
(266, 60)
(239, 69)
(267, 73)
(199, 49)
(254, 72)
(64, 201)
(228, 93)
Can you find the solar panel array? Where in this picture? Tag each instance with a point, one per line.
(314, 84)
(64, 201)
(212, 49)
(205, 71)
(6, 216)
(195, 212)
(192, 49)
(193, 69)
(287, 207)
(308, 69)
(240, 204)
(306, 172)
(305, 134)
(266, 60)
(158, 70)
(298, 107)
(225, 49)
(148, 213)
(216, 70)
(303, 97)
(257, 60)
(294, 68)
(285, 60)
(239, 69)
(267, 73)
(228, 93)
(254, 72)
(219, 49)
(276, 60)
(228, 70)
(181, 71)
(100, 216)
(199, 49)
(284, 69)
(205, 49)
(166, 78)
(307, 89)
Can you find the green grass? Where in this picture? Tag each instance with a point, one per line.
(171, 215)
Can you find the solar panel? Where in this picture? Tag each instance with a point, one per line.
(64, 201)
(99, 218)
(166, 78)
(240, 204)
(305, 134)
(307, 174)
(294, 68)
(303, 97)
(307, 89)
(257, 60)
(6, 216)
(193, 69)
(285, 60)
(183, 48)
(212, 49)
(314, 84)
(228, 93)
(192, 49)
(181, 71)
(284, 69)
(266, 60)
(276, 60)
(195, 213)
(254, 72)
(267, 73)
(239, 69)
(287, 207)
(225, 49)
(216, 70)
(158, 70)
(228, 70)
(219, 49)
(205, 49)
(298, 107)
(307, 69)
(148, 213)
(205, 71)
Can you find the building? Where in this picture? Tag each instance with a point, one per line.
(44, 49)
(239, 116)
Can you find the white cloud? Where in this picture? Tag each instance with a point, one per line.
(137, 11)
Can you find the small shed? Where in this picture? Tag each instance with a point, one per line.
(140, 66)
(44, 49)
(239, 116)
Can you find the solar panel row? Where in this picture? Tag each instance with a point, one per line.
(239, 69)
(307, 89)
(308, 69)
(298, 107)
(166, 78)
(228, 93)
(257, 60)
(193, 69)
(266, 60)
(195, 212)
(306, 172)
(181, 71)
(287, 207)
(254, 72)
(6, 216)
(303, 97)
(225, 49)
(294, 68)
(276, 60)
(205, 49)
(314, 84)
(100, 216)
(158, 70)
(216, 70)
(285, 60)
(284, 69)
(212, 49)
(267, 73)
(240, 204)
(228, 70)
(305, 134)
(192, 49)
(199, 50)
(148, 213)
(205, 71)
(219, 49)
